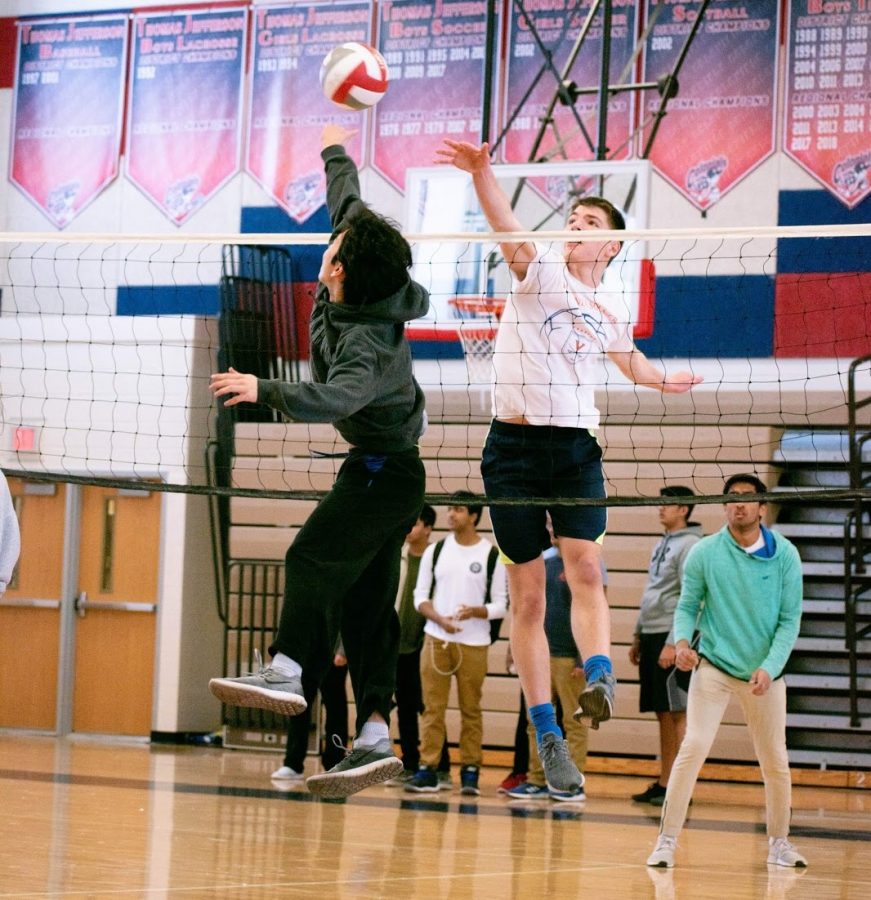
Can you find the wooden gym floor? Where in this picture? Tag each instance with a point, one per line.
(99, 819)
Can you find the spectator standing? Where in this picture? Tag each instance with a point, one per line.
(652, 649)
(461, 587)
(409, 696)
(743, 585)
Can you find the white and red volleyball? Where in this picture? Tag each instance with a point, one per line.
(354, 76)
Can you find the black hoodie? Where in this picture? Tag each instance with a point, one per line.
(360, 360)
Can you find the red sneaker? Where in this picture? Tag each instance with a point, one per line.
(511, 781)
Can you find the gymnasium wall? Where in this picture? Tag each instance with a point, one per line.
(778, 191)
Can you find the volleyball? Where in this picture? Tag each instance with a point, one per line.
(354, 76)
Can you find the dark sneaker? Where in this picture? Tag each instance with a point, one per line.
(560, 771)
(596, 702)
(361, 768)
(577, 796)
(653, 793)
(469, 780)
(266, 689)
(425, 781)
(445, 781)
(528, 791)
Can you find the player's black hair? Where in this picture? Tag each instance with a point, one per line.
(745, 478)
(375, 256)
(679, 490)
(427, 515)
(462, 498)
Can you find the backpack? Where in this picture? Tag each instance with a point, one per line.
(492, 558)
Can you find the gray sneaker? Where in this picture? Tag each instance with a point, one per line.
(265, 689)
(560, 772)
(596, 702)
(361, 768)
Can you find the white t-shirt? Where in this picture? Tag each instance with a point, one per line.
(461, 580)
(549, 354)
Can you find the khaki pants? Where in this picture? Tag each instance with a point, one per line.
(568, 690)
(709, 695)
(439, 662)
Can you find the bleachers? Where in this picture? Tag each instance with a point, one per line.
(639, 459)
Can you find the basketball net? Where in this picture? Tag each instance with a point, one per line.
(478, 329)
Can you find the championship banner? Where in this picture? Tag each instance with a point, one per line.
(66, 122)
(435, 54)
(828, 80)
(184, 119)
(721, 124)
(287, 107)
(557, 24)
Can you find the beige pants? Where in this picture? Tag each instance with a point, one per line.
(710, 692)
(439, 662)
(568, 690)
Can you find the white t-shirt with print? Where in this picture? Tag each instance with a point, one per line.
(549, 354)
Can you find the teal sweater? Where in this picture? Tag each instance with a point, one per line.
(751, 606)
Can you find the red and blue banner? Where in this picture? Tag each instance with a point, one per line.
(827, 128)
(66, 123)
(435, 54)
(287, 107)
(721, 125)
(531, 86)
(184, 117)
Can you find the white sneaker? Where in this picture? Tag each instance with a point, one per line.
(782, 853)
(285, 773)
(663, 852)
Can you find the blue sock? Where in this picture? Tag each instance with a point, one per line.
(595, 667)
(543, 718)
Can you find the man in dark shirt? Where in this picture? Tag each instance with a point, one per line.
(342, 570)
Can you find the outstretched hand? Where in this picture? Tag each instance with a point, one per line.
(680, 382)
(244, 387)
(335, 134)
(463, 155)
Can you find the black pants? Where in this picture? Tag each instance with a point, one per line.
(335, 702)
(342, 574)
(409, 705)
(521, 741)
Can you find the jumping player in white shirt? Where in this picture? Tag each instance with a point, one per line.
(557, 327)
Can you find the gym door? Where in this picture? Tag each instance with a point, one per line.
(77, 625)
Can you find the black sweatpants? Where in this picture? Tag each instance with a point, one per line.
(342, 574)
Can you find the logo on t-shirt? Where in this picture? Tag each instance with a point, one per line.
(575, 333)
(475, 568)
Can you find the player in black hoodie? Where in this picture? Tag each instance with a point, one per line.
(342, 570)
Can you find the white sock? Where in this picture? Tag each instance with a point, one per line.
(286, 665)
(371, 733)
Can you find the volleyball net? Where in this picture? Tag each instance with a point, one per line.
(107, 344)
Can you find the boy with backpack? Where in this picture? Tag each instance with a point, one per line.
(461, 589)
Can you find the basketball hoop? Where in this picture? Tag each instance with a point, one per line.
(477, 331)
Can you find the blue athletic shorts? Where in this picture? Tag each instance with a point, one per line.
(542, 461)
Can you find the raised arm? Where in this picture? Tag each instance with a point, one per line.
(494, 202)
(343, 181)
(639, 369)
